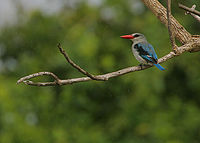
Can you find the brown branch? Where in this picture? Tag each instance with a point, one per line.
(160, 12)
(106, 76)
(76, 66)
(169, 26)
(191, 11)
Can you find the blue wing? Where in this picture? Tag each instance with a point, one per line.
(147, 52)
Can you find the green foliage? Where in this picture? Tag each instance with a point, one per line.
(149, 106)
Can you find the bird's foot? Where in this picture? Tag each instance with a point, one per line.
(141, 66)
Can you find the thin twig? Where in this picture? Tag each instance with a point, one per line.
(191, 11)
(26, 78)
(169, 26)
(28, 82)
(78, 67)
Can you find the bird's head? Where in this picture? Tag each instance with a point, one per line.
(134, 37)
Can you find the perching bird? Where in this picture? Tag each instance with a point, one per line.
(142, 50)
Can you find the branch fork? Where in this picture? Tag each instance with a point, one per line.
(78, 67)
(191, 11)
(58, 81)
(27, 81)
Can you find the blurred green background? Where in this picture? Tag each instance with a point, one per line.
(149, 106)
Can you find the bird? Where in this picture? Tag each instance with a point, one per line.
(143, 50)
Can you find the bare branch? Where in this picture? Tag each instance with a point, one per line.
(76, 66)
(28, 82)
(191, 11)
(160, 12)
(169, 26)
(187, 47)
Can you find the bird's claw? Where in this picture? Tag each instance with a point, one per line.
(141, 66)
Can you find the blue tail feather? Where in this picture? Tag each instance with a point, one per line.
(159, 67)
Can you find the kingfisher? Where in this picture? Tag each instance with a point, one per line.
(142, 50)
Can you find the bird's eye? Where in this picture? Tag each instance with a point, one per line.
(136, 35)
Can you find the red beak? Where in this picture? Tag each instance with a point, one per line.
(127, 37)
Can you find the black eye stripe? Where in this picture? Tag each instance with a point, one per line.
(136, 35)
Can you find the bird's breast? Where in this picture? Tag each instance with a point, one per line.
(137, 56)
